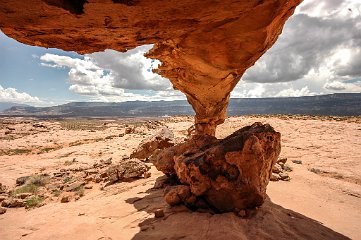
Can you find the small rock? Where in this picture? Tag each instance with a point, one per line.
(274, 177)
(2, 210)
(5, 203)
(96, 165)
(297, 161)
(129, 130)
(132, 168)
(3, 188)
(65, 198)
(21, 180)
(103, 174)
(284, 176)
(59, 174)
(88, 187)
(52, 187)
(159, 213)
(108, 161)
(74, 186)
(276, 168)
(90, 179)
(92, 171)
(287, 168)
(38, 125)
(2, 198)
(77, 197)
(23, 195)
(107, 184)
(282, 160)
(15, 203)
(281, 164)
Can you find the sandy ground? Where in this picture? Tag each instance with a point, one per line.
(322, 200)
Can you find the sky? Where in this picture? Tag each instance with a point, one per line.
(319, 52)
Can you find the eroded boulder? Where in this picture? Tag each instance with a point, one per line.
(132, 168)
(160, 140)
(230, 173)
(280, 169)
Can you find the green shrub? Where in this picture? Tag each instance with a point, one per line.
(27, 188)
(56, 193)
(79, 191)
(67, 179)
(34, 201)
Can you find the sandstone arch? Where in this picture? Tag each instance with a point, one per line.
(204, 46)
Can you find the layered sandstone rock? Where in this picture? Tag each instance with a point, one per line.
(204, 46)
(228, 174)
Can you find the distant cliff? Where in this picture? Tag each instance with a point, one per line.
(6, 105)
(340, 104)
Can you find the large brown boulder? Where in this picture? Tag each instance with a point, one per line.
(229, 174)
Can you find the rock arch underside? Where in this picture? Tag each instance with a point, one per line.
(205, 47)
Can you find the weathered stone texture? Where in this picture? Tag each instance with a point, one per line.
(229, 174)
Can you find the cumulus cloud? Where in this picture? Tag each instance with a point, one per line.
(106, 76)
(286, 89)
(14, 96)
(322, 40)
(131, 70)
(341, 86)
(290, 92)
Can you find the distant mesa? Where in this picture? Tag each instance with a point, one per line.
(9, 105)
(339, 104)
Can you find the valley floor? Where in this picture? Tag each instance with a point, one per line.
(321, 201)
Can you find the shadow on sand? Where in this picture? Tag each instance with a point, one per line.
(270, 221)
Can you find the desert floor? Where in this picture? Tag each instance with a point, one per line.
(322, 200)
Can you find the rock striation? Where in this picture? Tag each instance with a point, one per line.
(228, 174)
(204, 46)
